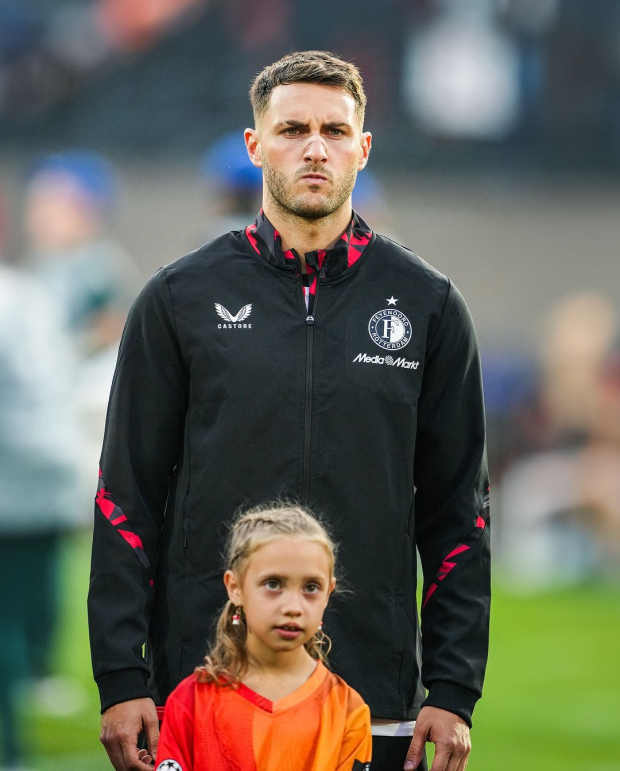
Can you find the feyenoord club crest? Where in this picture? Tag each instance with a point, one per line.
(390, 329)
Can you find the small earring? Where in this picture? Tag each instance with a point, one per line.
(321, 627)
(236, 619)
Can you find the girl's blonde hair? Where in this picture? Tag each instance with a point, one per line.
(227, 661)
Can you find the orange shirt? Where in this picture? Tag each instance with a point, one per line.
(322, 726)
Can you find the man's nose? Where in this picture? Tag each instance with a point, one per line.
(315, 151)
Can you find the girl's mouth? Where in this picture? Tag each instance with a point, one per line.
(289, 631)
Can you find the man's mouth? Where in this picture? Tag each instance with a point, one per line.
(312, 177)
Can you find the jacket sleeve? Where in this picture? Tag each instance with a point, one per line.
(142, 444)
(452, 525)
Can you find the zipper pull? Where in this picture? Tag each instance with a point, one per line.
(309, 320)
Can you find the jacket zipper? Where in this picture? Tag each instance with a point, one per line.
(305, 489)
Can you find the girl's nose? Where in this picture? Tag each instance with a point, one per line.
(292, 604)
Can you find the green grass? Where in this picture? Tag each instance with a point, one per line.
(71, 743)
(551, 702)
(552, 696)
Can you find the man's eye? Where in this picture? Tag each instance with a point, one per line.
(335, 132)
(291, 131)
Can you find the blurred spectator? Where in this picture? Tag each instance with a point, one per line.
(39, 451)
(462, 74)
(559, 505)
(69, 200)
(234, 183)
(578, 338)
(69, 203)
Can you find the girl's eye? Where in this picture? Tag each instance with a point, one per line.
(272, 584)
(313, 588)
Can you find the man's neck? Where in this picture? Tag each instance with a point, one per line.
(307, 235)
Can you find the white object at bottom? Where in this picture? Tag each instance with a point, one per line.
(380, 727)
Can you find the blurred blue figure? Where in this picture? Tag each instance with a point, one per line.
(369, 200)
(226, 164)
(368, 191)
(39, 451)
(368, 197)
(69, 201)
(234, 183)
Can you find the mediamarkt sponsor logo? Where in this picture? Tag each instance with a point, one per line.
(364, 358)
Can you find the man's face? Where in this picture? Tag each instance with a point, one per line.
(310, 146)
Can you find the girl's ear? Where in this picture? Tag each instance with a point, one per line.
(233, 587)
(332, 585)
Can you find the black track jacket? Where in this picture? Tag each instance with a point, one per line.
(369, 410)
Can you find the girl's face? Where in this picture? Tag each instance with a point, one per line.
(284, 591)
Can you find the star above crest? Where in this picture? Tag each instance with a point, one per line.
(391, 300)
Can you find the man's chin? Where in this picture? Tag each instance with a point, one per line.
(312, 209)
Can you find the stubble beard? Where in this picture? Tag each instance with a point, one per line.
(299, 205)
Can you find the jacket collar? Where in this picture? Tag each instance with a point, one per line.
(266, 241)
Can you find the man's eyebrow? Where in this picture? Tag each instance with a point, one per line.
(291, 122)
(302, 124)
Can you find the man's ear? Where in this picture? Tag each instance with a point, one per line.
(233, 587)
(365, 145)
(252, 143)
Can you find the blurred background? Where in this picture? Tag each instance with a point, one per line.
(496, 157)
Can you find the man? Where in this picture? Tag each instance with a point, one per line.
(304, 356)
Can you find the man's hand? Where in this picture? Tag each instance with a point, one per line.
(120, 726)
(450, 735)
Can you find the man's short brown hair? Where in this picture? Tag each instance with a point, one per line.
(318, 67)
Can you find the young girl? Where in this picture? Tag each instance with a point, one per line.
(264, 699)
